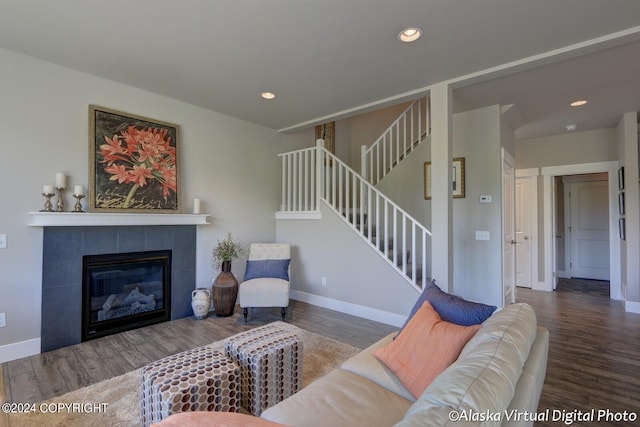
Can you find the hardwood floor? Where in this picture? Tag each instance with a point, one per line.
(594, 355)
(43, 376)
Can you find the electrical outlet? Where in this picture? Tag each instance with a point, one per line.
(324, 281)
(3, 320)
(3, 241)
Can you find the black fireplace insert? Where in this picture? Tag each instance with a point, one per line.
(124, 291)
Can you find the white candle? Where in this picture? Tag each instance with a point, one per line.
(78, 190)
(47, 189)
(61, 180)
(196, 206)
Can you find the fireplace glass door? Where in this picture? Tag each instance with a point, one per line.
(125, 291)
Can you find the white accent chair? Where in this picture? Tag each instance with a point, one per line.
(266, 291)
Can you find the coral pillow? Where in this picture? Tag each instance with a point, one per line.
(425, 347)
(218, 419)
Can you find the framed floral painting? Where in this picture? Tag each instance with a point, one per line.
(134, 163)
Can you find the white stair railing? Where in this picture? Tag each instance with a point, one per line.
(314, 174)
(396, 142)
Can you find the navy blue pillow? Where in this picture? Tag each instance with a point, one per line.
(275, 268)
(452, 308)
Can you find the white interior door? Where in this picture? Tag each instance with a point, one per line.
(589, 230)
(523, 228)
(508, 229)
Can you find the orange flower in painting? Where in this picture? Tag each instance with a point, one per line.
(139, 175)
(140, 157)
(118, 173)
(112, 150)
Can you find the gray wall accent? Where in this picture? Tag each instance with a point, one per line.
(63, 249)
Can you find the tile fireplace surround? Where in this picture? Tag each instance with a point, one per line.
(63, 249)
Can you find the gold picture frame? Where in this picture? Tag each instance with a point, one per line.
(133, 163)
(457, 179)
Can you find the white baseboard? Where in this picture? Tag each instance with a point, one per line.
(632, 307)
(299, 215)
(374, 314)
(563, 274)
(19, 350)
(541, 286)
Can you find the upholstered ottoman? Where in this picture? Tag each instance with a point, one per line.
(270, 360)
(201, 379)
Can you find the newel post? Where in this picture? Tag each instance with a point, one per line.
(363, 162)
(319, 169)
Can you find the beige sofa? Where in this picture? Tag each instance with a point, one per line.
(496, 381)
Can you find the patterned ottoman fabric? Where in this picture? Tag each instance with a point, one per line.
(270, 360)
(201, 379)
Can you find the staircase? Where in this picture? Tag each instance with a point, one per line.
(314, 175)
(396, 142)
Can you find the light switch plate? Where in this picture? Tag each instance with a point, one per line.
(3, 241)
(3, 320)
(482, 235)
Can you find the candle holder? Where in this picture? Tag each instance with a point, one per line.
(48, 206)
(78, 206)
(60, 199)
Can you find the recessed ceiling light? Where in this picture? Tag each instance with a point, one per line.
(409, 34)
(570, 128)
(578, 103)
(268, 95)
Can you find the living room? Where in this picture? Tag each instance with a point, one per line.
(231, 165)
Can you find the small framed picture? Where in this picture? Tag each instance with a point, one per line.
(621, 203)
(457, 179)
(621, 178)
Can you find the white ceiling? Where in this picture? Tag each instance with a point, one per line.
(330, 58)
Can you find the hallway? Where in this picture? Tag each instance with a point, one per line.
(594, 350)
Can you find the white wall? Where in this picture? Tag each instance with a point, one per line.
(230, 164)
(630, 248)
(366, 128)
(355, 274)
(478, 264)
(405, 184)
(569, 148)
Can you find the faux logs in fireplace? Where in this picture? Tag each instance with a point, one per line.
(124, 291)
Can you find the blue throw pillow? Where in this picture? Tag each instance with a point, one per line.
(452, 308)
(275, 268)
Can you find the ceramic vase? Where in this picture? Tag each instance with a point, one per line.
(200, 303)
(225, 291)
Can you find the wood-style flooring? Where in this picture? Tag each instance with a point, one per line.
(43, 376)
(594, 352)
(594, 355)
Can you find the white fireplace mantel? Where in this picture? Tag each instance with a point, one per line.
(85, 219)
